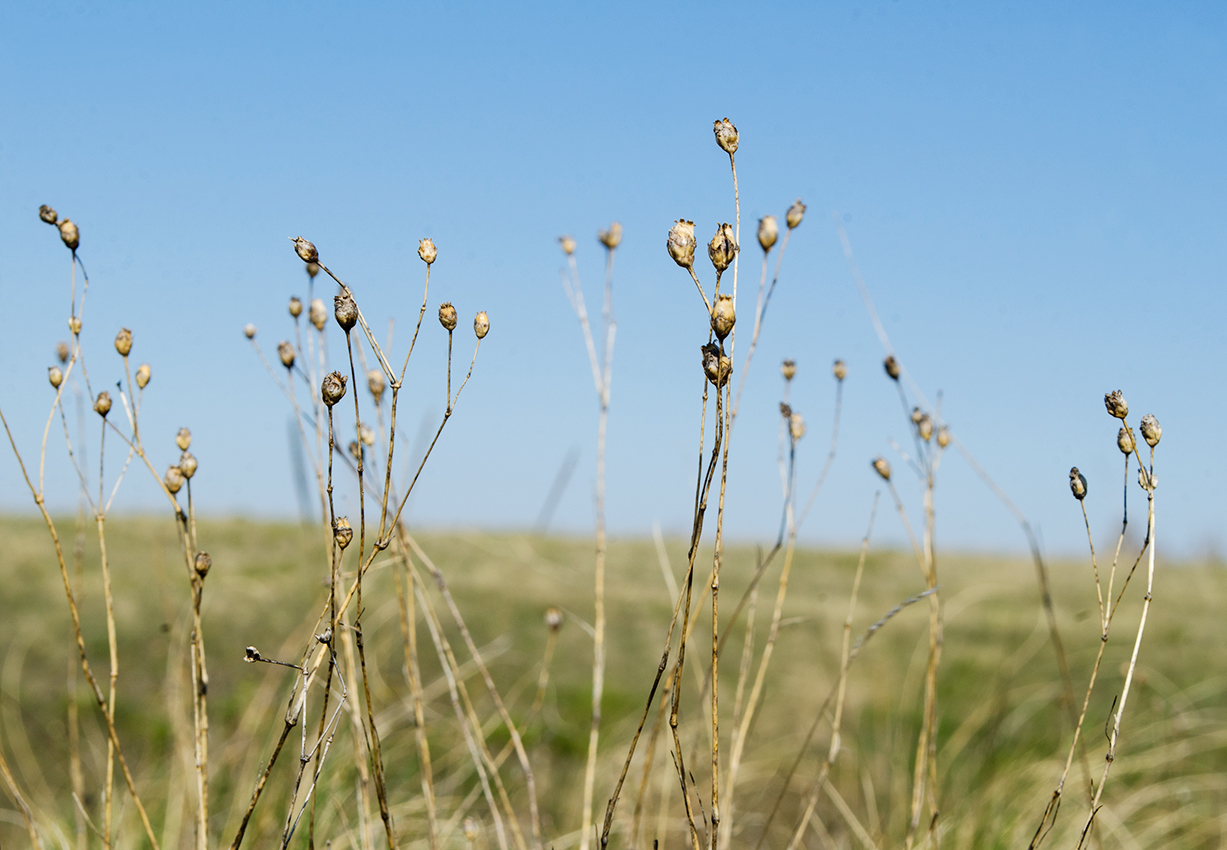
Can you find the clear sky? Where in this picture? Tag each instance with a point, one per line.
(1036, 195)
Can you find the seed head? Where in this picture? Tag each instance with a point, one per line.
(70, 235)
(796, 427)
(447, 316)
(481, 324)
(142, 376)
(891, 365)
(1151, 430)
(768, 232)
(795, 213)
(187, 464)
(249, 331)
(375, 381)
(722, 248)
(61, 351)
(343, 532)
(612, 237)
(102, 404)
(123, 341)
(681, 243)
(333, 388)
(324, 637)
(716, 366)
(55, 376)
(366, 434)
(251, 655)
(840, 370)
(553, 618)
(295, 306)
(881, 467)
(305, 250)
(1116, 404)
(345, 310)
(917, 415)
(723, 316)
(74, 325)
(568, 244)
(286, 352)
(427, 250)
(943, 436)
(925, 427)
(47, 214)
(1077, 484)
(173, 479)
(470, 830)
(785, 409)
(788, 368)
(312, 270)
(317, 313)
(1147, 481)
(355, 450)
(726, 136)
(1124, 441)
(203, 564)
(183, 439)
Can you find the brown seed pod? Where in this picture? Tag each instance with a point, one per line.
(723, 316)
(447, 316)
(1124, 441)
(925, 427)
(70, 235)
(1116, 404)
(343, 532)
(345, 310)
(481, 324)
(788, 369)
(332, 389)
(796, 427)
(881, 467)
(286, 352)
(681, 243)
(376, 383)
(366, 434)
(312, 270)
(187, 464)
(840, 370)
(55, 376)
(142, 376)
(183, 439)
(173, 479)
(427, 251)
(723, 247)
(1077, 484)
(1151, 430)
(917, 415)
(317, 313)
(295, 306)
(249, 331)
(123, 341)
(61, 351)
(716, 366)
(726, 136)
(612, 237)
(305, 250)
(553, 618)
(795, 213)
(943, 436)
(768, 232)
(47, 214)
(355, 450)
(74, 325)
(203, 564)
(891, 365)
(1147, 481)
(568, 244)
(102, 404)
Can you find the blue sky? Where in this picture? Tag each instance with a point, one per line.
(1036, 196)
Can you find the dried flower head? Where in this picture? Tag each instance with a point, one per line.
(102, 404)
(723, 317)
(286, 352)
(553, 618)
(317, 313)
(447, 316)
(305, 250)
(142, 376)
(716, 366)
(61, 351)
(943, 436)
(366, 434)
(788, 369)
(1124, 440)
(612, 237)
(681, 243)
(723, 247)
(795, 213)
(840, 370)
(295, 306)
(768, 232)
(1147, 481)
(376, 383)
(427, 250)
(173, 479)
(881, 467)
(1077, 484)
(796, 427)
(312, 270)
(332, 389)
(187, 464)
(70, 235)
(203, 564)
(343, 532)
(1151, 430)
(568, 244)
(47, 214)
(249, 331)
(55, 376)
(891, 365)
(345, 310)
(925, 427)
(1116, 404)
(726, 136)
(481, 324)
(74, 325)
(183, 439)
(123, 341)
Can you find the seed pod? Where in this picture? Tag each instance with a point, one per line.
(203, 564)
(568, 244)
(183, 439)
(788, 368)
(612, 237)
(785, 409)
(324, 637)
(1147, 481)
(925, 427)
(681, 243)
(312, 270)
(840, 370)
(317, 313)
(142, 376)
(187, 464)
(917, 415)
(943, 436)
(891, 365)
(722, 248)
(723, 316)
(249, 331)
(345, 310)
(427, 250)
(726, 136)
(366, 434)
(447, 316)
(173, 479)
(1124, 441)
(375, 381)
(102, 404)
(123, 341)
(481, 324)
(470, 830)
(286, 352)
(1116, 404)
(70, 235)
(1151, 430)
(553, 618)
(881, 467)
(343, 532)
(355, 450)
(295, 306)
(332, 389)
(74, 325)
(47, 214)
(795, 213)
(251, 655)
(796, 427)
(55, 376)
(768, 232)
(61, 351)
(716, 366)
(305, 250)
(1077, 484)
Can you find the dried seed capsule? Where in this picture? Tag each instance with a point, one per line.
(840, 370)
(286, 352)
(481, 324)
(142, 376)
(681, 243)
(470, 830)
(722, 248)
(173, 479)
(183, 439)
(891, 365)
(795, 213)
(427, 250)
(74, 325)
(251, 655)
(366, 434)
(612, 237)
(447, 316)
(796, 427)
(553, 618)
(249, 331)
(203, 564)
(123, 341)
(716, 366)
(55, 376)
(312, 270)
(295, 306)
(1116, 404)
(568, 244)
(332, 389)
(102, 404)
(726, 136)
(70, 235)
(925, 427)
(768, 232)
(47, 214)
(788, 368)
(881, 467)
(1124, 441)
(305, 250)
(375, 381)
(345, 310)
(187, 464)
(723, 316)
(1147, 481)
(317, 313)
(1151, 430)
(917, 415)
(343, 532)
(61, 351)
(785, 409)
(943, 436)
(355, 450)
(1077, 484)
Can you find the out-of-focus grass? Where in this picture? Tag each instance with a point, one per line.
(1003, 729)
